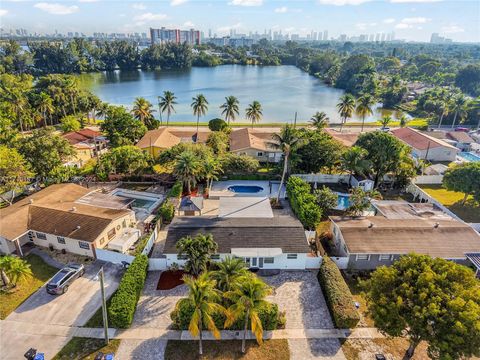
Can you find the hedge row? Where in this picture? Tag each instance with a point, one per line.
(338, 296)
(176, 190)
(167, 211)
(124, 302)
(303, 202)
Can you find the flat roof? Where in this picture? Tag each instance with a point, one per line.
(399, 209)
(245, 207)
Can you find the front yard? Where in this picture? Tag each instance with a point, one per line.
(470, 212)
(86, 348)
(41, 273)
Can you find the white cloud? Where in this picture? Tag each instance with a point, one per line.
(56, 9)
(402, 26)
(177, 2)
(416, 20)
(281, 10)
(363, 26)
(414, 1)
(139, 6)
(228, 28)
(3, 12)
(342, 2)
(149, 17)
(388, 21)
(246, 2)
(188, 24)
(452, 29)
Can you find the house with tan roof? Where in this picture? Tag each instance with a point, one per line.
(60, 216)
(87, 143)
(426, 147)
(462, 140)
(255, 143)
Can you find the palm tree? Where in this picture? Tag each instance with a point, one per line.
(443, 104)
(202, 297)
(70, 87)
(13, 269)
(200, 106)
(211, 170)
(403, 121)
(364, 107)
(45, 106)
(254, 112)
(459, 106)
(142, 110)
(228, 273)
(187, 168)
(287, 141)
(353, 160)
(102, 110)
(346, 107)
(18, 101)
(385, 121)
(248, 299)
(197, 250)
(230, 108)
(319, 120)
(166, 103)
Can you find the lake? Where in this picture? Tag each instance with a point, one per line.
(282, 90)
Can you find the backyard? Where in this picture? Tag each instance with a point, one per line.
(41, 273)
(86, 348)
(470, 212)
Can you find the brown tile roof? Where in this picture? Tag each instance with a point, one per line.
(281, 232)
(52, 208)
(86, 134)
(161, 138)
(189, 135)
(246, 138)
(460, 136)
(347, 139)
(450, 240)
(419, 140)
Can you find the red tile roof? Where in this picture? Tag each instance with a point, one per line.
(418, 140)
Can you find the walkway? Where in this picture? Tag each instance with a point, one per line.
(47, 258)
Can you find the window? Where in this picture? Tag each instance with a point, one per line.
(362, 257)
(111, 233)
(259, 153)
(215, 257)
(291, 256)
(102, 240)
(182, 257)
(268, 260)
(384, 257)
(84, 245)
(61, 240)
(41, 236)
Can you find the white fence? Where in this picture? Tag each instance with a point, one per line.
(323, 178)
(428, 179)
(313, 262)
(342, 262)
(113, 256)
(156, 264)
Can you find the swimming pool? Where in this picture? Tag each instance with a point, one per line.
(343, 201)
(469, 156)
(245, 189)
(139, 203)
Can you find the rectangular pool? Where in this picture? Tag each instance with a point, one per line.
(469, 156)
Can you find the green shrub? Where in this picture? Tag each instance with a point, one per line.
(124, 302)
(303, 202)
(167, 212)
(217, 125)
(176, 190)
(338, 296)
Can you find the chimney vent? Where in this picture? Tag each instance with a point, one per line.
(74, 208)
(31, 201)
(370, 225)
(436, 225)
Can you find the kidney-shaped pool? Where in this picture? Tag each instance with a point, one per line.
(245, 189)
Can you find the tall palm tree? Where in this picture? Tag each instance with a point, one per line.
(187, 168)
(443, 103)
(319, 120)
(203, 298)
(197, 250)
(211, 170)
(459, 107)
(70, 87)
(45, 106)
(353, 160)
(364, 107)
(346, 107)
(228, 273)
(385, 121)
(287, 141)
(248, 298)
(166, 103)
(230, 108)
(254, 112)
(200, 107)
(143, 111)
(13, 269)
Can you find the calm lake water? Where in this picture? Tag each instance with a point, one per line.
(281, 90)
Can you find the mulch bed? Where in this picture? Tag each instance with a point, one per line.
(170, 279)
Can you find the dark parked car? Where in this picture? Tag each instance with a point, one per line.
(60, 282)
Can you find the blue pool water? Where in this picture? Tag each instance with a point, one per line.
(343, 202)
(245, 189)
(469, 156)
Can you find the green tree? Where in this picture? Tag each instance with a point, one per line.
(197, 251)
(229, 272)
(364, 107)
(464, 178)
(354, 161)
(254, 112)
(468, 79)
(121, 128)
(248, 297)
(14, 173)
(167, 104)
(319, 120)
(459, 107)
(326, 199)
(218, 142)
(200, 107)
(359, 201)
(346, 107)
(426, 299)
(239, 164)
(143, 111)
(129, 160)
(385, 121)
(217, 125)
(230, 108)
(403, 121)
(44, 104)
(187, 169)
(13, 269)
(70, 123)
(203, 298)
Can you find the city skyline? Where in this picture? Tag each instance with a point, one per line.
(411, 20)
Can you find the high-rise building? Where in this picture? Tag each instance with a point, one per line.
(163, 35)
(325, 35)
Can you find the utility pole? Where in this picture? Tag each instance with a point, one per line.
(295, 121)
(100, 275)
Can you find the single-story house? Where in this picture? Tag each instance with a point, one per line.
(269, 243)
(255, 143)
(88, 143)
(463, 141)
(435, 169)
(62, 216)
(345, 138)
(399, 229)
(426, 147)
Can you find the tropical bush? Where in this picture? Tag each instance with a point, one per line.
(124, 302)
(176, 190)
(338, 296)
(167, 211)
(303, 202)
(217, 125)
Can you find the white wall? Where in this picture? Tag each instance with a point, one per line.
(6, 246)
(437, 154)
(428, 179)
(71, 245)
(324, 178)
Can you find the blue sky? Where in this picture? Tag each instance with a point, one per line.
(413, 20)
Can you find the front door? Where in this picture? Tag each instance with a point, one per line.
(260, 262)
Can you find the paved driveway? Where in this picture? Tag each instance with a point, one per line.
(71, 309)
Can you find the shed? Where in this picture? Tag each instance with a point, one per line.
(190, 206)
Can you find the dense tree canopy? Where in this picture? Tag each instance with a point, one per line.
(464, 178)
(121, 127)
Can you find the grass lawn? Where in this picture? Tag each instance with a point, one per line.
(227, 350)
(41, 273)
(96, 321)
(86, 348)
(470, 212)
(353, 285)
(392, 348)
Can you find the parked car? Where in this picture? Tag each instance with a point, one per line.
(60, 282)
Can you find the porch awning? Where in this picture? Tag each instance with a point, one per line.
(256, 252)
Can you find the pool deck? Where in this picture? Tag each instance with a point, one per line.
(220, 189)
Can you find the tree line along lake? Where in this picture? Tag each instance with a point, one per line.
(281, 90)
